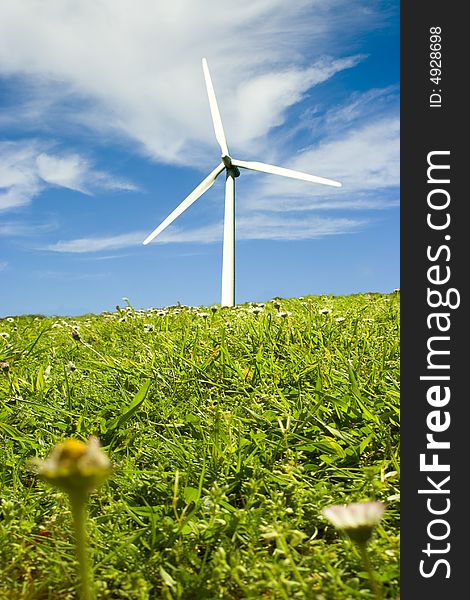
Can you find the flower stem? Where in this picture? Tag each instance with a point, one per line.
(78, 505)
(366, 560)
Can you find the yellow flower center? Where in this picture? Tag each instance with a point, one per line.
(72, 449)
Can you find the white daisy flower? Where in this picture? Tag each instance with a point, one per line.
(74, 466)
(357, 519)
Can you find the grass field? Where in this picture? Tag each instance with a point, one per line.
(228, 429)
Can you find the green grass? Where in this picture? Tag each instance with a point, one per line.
(228, 429)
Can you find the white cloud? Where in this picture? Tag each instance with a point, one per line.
(370, 105)
(66, 172)
(366, 158)
(26, 170)
(366, 161)
(75, 172)
(259, 103)
(18, 181)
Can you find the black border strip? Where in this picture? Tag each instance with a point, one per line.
(433, 128)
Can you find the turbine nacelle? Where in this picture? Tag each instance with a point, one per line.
(227, 160)
(232, 168)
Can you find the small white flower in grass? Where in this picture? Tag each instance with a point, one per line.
(324, 311)
(4, 335)
(148, 327)
(340, 319)
(74, 466)
(203, 315)
(10, 319)
(284, 314)
(357, 519)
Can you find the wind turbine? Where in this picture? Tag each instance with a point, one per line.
(231, 166)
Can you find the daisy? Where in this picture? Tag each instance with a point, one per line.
(357, 519)
(74, 466)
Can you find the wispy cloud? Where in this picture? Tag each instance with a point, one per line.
(76, 173)
(19, 181)
(371, 105)
(26, 170)
(366, 161)
(366, 158)
(21, 229)
(260, 103)
(207, 234)
(272, 227)
(97, 244)
(254, 227)
(68, 172)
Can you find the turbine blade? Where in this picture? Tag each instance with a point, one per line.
(216, 120)
(193, 196)
(264, 168)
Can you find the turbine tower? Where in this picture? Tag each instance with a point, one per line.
(231, 166)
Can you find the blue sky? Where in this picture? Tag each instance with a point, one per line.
(105, 128)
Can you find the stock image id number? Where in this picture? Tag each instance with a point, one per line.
(435, 66)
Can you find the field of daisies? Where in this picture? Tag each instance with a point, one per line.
(230, 434)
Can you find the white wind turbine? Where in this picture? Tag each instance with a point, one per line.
(231, 167)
